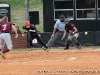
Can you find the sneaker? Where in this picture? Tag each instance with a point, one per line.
(3, 55)
(65, 48)
(79, 47)
(43, 48)
(31, 49)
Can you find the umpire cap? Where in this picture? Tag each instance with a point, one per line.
(62, 16)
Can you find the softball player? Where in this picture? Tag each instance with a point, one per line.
(33, 34)
(5, 29)
(73, 34)
(58, 30)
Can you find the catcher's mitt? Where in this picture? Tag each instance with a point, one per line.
(71, 32)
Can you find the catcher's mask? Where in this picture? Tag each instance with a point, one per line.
(67, 20)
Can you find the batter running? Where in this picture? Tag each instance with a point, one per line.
(33, 34)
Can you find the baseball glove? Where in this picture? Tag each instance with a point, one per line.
(71, 32)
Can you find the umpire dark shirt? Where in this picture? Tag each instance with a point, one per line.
(32, 28)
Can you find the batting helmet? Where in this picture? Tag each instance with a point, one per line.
(27, 23)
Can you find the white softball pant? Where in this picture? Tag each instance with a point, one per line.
(5, 38)
(70, 37)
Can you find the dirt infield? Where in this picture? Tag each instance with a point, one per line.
(58, 62)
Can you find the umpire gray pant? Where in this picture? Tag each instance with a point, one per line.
(56, 36)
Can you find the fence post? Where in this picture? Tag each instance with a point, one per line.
(27, 10)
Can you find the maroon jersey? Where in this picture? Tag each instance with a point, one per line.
(5, 27)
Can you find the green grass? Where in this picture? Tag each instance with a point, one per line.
(18, 11)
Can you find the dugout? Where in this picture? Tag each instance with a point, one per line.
(85, 14)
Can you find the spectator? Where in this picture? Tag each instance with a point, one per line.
(17, 28)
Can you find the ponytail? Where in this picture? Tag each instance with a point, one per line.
(4, 19)
(1, 20)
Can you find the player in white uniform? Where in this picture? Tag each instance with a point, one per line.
(5, 29)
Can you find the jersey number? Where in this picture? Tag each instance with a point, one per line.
(4, 27)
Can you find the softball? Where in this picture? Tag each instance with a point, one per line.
(86, 33)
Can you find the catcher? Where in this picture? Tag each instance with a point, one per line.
(73, 35)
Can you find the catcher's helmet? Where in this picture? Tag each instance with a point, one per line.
(67, 20)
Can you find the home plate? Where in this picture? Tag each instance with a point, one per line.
(97, 49)
(71, 58)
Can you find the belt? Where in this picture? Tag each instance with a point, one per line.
(61, 31)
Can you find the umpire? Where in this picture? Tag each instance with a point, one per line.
(58, 30)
